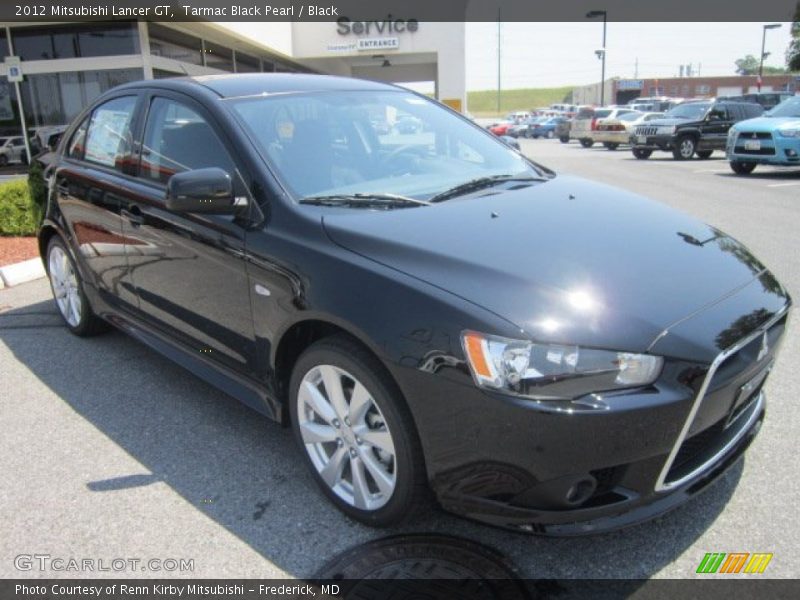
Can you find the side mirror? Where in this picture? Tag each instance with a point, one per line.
(202, 191)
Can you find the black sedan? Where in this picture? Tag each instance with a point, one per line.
(544, 353)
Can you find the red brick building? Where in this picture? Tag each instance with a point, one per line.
(693, 87)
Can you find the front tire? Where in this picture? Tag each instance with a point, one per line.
(67, 287)
(564, 139)
(685, 148)
(704, 154)
(611, 145)
(587, 143)
(742, 168)
(641, 153)
(356, 433)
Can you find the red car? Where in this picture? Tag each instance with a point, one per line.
(501, 128)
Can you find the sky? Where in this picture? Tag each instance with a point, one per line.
(561, 54)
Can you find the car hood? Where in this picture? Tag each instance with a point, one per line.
(567, 261)
(765, 123)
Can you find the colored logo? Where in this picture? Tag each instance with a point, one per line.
(734, 562)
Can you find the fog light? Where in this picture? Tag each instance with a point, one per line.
(791, 153)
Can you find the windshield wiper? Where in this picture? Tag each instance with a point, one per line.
(479, 183)
(362, 200)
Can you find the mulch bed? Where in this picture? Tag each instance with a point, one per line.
(16, 249)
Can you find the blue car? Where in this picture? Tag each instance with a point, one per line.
(772, 139)
(545, 128)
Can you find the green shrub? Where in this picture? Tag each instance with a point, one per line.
(16, 213)
(38, 191)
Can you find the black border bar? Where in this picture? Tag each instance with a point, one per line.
(16, 11)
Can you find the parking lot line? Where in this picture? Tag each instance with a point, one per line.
(783, 184)
(711, 171)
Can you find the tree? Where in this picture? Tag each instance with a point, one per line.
(749, 66)
(793, 52)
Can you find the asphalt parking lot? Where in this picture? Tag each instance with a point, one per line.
(109, 451)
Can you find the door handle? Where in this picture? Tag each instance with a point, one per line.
(134, 215)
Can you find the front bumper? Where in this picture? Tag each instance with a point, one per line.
(601, 462)
(652, 142)
(628, 507)
(763, 148)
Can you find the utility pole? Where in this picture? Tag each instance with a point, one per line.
(498, 60)
(601, 54)
(763, 43)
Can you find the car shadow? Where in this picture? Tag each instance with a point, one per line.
(788, 174)
(244, 471)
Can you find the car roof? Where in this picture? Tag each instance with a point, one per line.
(252, 84)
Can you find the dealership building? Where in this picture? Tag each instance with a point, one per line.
(620, 91)
(57, 69)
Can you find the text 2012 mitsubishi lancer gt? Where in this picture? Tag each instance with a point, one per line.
(427, 310)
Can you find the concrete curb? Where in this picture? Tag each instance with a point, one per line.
(21, 272)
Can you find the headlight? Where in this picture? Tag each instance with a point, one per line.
(791, 132)
(552, 371)
(666, 130)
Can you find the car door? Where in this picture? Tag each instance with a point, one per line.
(715, 128)
(91, 183)
(188, 269)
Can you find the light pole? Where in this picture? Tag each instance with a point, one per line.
(763, 43)
(601, 54)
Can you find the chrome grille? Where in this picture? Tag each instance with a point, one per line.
(692, 455)
(764, 140)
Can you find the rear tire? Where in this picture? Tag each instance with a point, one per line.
(564, 139)
(685, 148)
(68, 292)
(356, 433)
(611, 145)
(586, 142)
(742, 168)
(641, 153)
(704, 154)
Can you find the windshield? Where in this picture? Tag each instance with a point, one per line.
(787, 108)
(327, 143)
(695, 110)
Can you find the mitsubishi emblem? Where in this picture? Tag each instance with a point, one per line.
(764, 347)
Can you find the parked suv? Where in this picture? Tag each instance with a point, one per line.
(425, 312)
(585, 123)
(691, 128)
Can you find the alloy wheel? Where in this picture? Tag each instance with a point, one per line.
(65, 285)
(346, 437)
(686, 148)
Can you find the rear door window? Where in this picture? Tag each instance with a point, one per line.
(108, 138)
(78, 141)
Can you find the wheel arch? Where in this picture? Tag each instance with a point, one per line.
(301, 334)
(47, 231)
